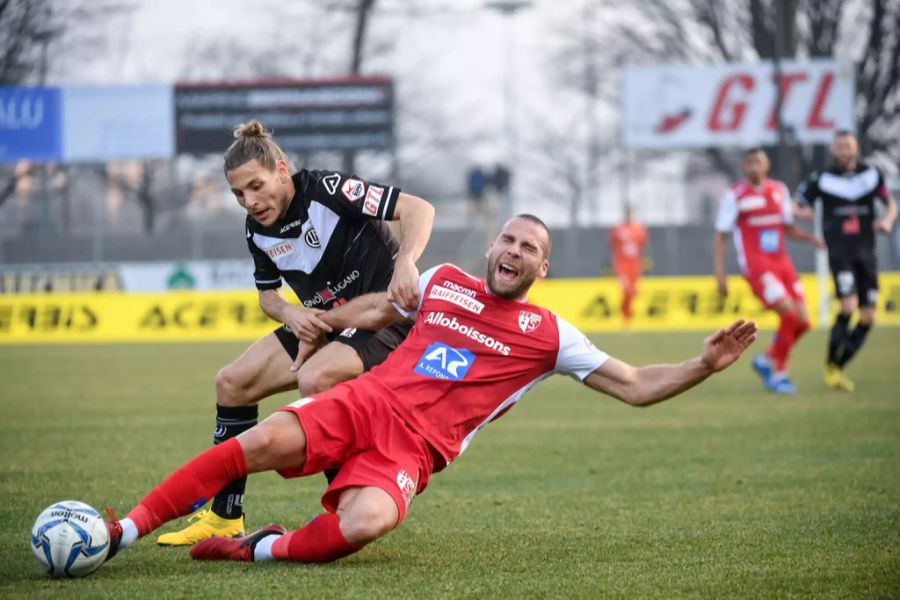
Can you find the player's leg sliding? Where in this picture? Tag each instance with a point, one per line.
(226, 517)
(841, 347)
(182, 492)
(320, 541)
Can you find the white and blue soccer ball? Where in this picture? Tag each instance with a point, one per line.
(69, 539)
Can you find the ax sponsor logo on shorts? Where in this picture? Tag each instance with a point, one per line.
(407, 486)
(462, 300)
(442, 320)
(441, 361)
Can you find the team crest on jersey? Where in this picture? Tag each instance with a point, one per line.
(441, 361)
(312, 238)
(528, 321)
(331, 182)
(353, 190)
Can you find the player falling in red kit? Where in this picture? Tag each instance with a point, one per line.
(758, 213)
(477, 346)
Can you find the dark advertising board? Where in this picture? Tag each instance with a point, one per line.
(305, 116)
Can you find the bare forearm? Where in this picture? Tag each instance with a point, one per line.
(794, 232)
(719, 256)
(656, 383)
(371, 311)
(416, 219)
(271, 303)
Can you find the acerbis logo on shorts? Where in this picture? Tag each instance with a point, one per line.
(407, 486)
(441, 361)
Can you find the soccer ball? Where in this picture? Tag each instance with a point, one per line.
(69, 539)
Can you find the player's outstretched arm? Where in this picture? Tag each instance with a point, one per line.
(416, 217)
(643, 386)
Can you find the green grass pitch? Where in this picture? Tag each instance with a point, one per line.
(724, 492)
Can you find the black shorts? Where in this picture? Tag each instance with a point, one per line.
(855, 274)
(371, 346)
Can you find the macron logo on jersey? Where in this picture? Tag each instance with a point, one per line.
(470, 304)
(453, 324)
(441, 361)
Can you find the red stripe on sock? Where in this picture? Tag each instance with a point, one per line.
(321, 541)
(189, 488)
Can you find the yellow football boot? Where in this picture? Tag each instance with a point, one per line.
(836, 379)
(206, 524)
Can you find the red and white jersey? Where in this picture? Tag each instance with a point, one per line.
(756, 217)
(470, 357)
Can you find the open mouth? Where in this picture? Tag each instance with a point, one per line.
(262, 214)
(507, 272)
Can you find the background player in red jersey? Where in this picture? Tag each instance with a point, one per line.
(324, 234)
(627, 241)
(476, 348)
(758, 213)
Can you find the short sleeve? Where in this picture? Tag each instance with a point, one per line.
(578, 357)
(265, 273)
(787, 208)
(424, 280)
(349, 195)
(882, 192)
(726, 217)
(808, 190)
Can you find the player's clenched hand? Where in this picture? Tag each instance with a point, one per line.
(305, 323)
(404, 287)
(726, 345)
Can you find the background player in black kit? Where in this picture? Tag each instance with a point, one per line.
(847, 192)
(325, 234)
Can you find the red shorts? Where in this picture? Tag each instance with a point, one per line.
(366, 440)
(774, 282)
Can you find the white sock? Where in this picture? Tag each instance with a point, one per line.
(263, 550)
(129, 533)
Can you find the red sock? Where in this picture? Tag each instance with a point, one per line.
(627, 298)
(321, 541)
(784, 340)
(802, 327)
(188, 488)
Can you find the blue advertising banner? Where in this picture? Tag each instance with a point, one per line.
(118, 122)
(30, 124)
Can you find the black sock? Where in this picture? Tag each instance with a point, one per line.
(838, 338)
(854, 342)
(231, 421)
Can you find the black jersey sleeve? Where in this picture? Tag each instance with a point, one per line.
(808, 190)
(350, 195)
(881, 191)
(265, 273)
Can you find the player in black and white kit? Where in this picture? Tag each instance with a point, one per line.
(325, 234)
(848, 191)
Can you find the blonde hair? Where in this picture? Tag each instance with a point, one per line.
(253, 142)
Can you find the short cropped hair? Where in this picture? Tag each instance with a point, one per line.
(538, 221)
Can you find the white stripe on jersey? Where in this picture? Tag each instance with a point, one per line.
(302, 257)
(849, 188)
(503, 406)
(385, 203)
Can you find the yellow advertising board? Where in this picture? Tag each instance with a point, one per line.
(592, 305)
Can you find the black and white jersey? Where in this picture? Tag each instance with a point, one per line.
(848, 205)
(332, 244)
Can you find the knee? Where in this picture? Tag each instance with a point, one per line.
(314, 380)
(363, 524)
(230, 389)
